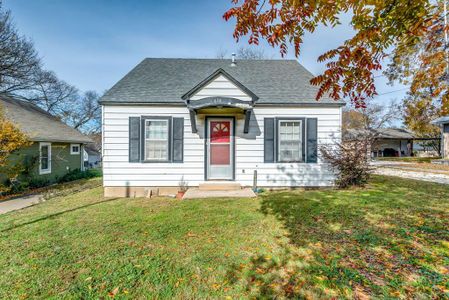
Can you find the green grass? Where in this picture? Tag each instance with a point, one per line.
(409, 159)
(388, 240)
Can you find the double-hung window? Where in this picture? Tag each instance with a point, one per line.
(156, 140)
(290, 140)
(44, 158)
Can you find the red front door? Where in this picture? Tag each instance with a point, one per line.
(220, 145)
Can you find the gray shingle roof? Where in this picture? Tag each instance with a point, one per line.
(166, 80)
(380, 133)
(39, 125)
(395, 133)
(441, 120)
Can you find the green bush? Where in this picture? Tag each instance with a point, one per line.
(78, 174)
(17, 187)
(37, 182)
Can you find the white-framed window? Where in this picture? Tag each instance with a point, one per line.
(156, 140)
(290, 140)
(44, 158)
(75, 149)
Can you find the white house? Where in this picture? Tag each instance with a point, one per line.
(443, 123)
(202, 120)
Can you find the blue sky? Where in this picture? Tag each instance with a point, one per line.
(93, 43)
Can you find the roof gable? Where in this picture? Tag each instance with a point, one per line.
(220, 83)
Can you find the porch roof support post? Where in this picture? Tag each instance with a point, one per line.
(192, 114)
(247, 119)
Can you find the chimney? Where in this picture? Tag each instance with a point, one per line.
(233, 64)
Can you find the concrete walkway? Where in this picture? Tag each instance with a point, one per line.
(404, 171)
(18, 203)
(196, 193)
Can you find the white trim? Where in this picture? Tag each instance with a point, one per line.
(75, 152)
(167, 140)
(48, 170)
(301, 140)
(231, 147)
(82, 155)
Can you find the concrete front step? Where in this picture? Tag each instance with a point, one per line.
(196, 193)
(219, 186)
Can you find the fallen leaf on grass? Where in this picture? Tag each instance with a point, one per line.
(113, 292)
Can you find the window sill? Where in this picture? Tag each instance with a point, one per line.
(44, 172)
(156, 161)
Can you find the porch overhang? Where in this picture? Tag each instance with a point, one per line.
(244, 107)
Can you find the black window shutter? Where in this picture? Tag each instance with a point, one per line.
(134, 139)
(269, 140)
(312, 140)
(178, 139)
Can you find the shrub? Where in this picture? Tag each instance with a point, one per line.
(37, 182)
(16, 186)
(350, 161)
(78, 174)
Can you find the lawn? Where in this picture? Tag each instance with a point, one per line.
(388, 240)
(414, 159)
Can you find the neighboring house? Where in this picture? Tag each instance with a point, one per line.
(393, 142)
(92, 157)
(56, 149)
(443, 123)
(396, 142)
(202, 120)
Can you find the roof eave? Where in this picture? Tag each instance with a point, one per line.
(73, 141)
(259, 104)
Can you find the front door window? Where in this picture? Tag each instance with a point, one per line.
(220, 156)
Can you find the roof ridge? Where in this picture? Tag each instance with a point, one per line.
(206, 58)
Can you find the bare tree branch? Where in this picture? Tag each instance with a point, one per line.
(19, 61)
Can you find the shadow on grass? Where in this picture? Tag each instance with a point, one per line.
(389, 240)
(53, 215)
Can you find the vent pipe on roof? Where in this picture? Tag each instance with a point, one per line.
(233, 64)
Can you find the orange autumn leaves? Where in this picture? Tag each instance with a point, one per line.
(379, 26)
(11, 139)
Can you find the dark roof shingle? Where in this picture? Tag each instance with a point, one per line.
(37, 124)
(166, 80)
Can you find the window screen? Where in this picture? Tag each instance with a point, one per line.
(156, 140)
(290, 141)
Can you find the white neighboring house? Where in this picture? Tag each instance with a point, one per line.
(202, 120)
(443, 123)
(92, 157)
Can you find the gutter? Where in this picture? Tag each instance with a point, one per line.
(259, 104)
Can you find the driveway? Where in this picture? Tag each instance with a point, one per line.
(401, 169)
(18, 203)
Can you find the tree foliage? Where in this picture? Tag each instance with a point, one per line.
(350, 160)
(245, 53)
(84, 113)
(19, 62)
(425, 68)
(11, 139)
(250, 53)
(21, 73)
(372, 117)
(379, 26)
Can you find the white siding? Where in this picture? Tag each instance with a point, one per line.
(221, 86)
(249, 150)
